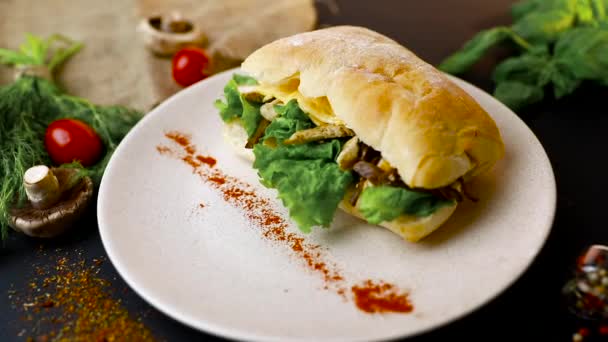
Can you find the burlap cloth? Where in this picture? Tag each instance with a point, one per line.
(114, 67)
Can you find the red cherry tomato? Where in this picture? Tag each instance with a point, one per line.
(69, 140)
(189, 66)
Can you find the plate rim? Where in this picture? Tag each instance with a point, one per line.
(207, 327)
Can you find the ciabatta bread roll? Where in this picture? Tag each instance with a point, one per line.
(427, 128)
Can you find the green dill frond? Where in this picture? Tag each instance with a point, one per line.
(27, 107)
(31, 103)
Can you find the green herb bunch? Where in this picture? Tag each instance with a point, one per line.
(561, 43)
(31, 103)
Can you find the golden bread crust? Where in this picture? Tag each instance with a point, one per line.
(424, 125)
(410, 228)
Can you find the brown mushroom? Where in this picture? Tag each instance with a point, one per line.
(57, 198)
(370, 172)
(165, 35)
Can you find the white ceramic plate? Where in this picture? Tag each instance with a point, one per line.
(208, 268)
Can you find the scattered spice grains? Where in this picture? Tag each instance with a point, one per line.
(369, 296)
(184, 141)
(68, 301)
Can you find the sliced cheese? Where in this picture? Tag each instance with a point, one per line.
(318, 109)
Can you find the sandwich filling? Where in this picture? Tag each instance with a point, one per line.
(313, 160)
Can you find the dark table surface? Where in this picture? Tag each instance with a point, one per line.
(572, 130)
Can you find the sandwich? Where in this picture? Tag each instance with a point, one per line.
(347, 118)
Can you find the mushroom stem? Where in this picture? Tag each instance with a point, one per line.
(41, 186)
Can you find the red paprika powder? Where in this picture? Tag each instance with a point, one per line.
(369, 296)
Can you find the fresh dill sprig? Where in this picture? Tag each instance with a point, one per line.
(31, 103)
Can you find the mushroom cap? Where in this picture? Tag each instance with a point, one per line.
(168, 43)
(50, 222)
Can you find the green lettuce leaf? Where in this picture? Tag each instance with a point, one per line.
(290, 119)
(309, 182)
(251, 117)
(385, 203)
(244, 80)
(236, 106)
(233, 107)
